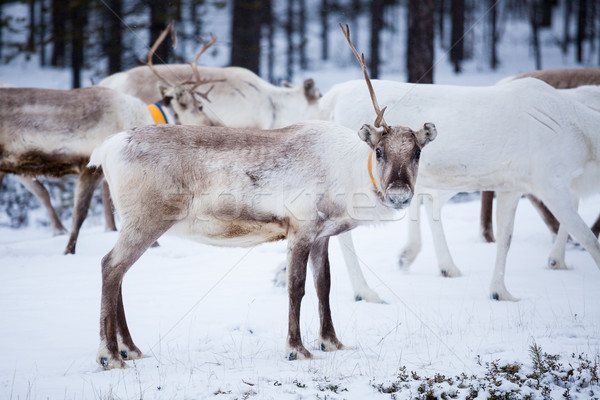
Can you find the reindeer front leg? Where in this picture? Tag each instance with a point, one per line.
(298, 250)
(319, 258)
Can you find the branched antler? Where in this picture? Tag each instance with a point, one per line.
(379, 121)
(194, 64)
(157, 43)
(197, 81)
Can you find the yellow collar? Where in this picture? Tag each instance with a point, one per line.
(157, 113)
(370, 168)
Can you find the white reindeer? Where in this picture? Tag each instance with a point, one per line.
(303, 183)
(238, 98)
(521, 137)
(560, 79)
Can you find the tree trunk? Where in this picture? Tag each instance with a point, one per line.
(245, 34)
(546, 13)
(440, 21)
(32, 26)
(568, 10)
(269, 22)
(535, 40)
(419, 51)
(42, 33)
(302, 33)
(289, 34)
(581, 26)
(114, 45)
(324, 13)
(159, 15)
(1, 30)
(493, 24)
(59, 23)
(355, 9)
(376, 27)
(78, 23)
(457, 46)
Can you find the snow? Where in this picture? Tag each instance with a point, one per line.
(213, 325)
(210, 319)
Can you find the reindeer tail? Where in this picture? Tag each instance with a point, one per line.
(109, 147)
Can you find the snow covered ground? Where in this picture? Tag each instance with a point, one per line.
(213, 325)
(210, 320)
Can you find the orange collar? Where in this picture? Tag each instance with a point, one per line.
(370, 168)
(157, 113)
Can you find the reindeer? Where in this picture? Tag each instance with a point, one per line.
(257, 103)
(521, 137)
(38, 190)
(560, 79)
(53, 132)
(244, 186)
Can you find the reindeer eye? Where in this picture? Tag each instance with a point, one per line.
(200, 108)
(379, 153)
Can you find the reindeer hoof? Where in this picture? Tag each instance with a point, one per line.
(109, 363)
(331, 345)
(369, 296)
(450, 272)
(506, 296)
(299, 354)
(554, 263)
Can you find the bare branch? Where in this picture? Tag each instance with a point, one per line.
(379, 121)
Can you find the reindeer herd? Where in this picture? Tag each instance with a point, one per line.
(225, 158)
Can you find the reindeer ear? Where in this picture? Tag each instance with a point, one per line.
(370, 135)
(162, 88)
(165, 93)
(310, 90)
(426, 134)
(286, 84)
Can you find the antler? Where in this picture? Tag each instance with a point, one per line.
(194, 64)
(197, 79)
(157, 43)
(379, 121)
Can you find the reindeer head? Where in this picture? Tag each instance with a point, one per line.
(394, 160)
(183, 99)
(397, 149)
(311, 92)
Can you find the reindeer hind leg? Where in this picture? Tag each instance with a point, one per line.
(115, 340)
(87, 182)
(35, 187)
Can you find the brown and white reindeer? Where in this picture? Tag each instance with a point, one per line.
(47, 132)
(53, 132)
(245, 186)
(257, 103)
(38, 190)
(559, 79)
